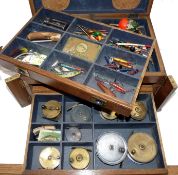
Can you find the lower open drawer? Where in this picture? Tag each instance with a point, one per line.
(91, 131)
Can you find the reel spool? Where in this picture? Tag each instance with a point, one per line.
(51, 110)
(142, 148)
(107, 116)
(50, 158)
(79, 158)
(111, 148)
(139, 111)
(81, 114)
(73, 134)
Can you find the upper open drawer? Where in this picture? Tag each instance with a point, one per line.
(93, 6)
(100, 67)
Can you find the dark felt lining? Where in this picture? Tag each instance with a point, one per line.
(93, 6)
(91, 131)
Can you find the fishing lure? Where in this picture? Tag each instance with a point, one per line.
(56, 23)
(112, 66)
(123, 62)
(69, 74)
(71, 67)
(66, 71)
(133, 71)
(113, 85)
(120, 65)
(120, 60)
(18, 51)
(101, 85)
(96, 35)
(118, 87)
(127, 24)
(141, 49)
(28, 56)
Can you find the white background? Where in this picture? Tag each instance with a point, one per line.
(14, 120)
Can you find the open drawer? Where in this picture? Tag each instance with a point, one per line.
(87, 57)
(107, 13)
(91, 130)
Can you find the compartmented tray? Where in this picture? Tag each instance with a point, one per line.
(155, 64)
(91, 131)
(91, 63)
(108, 14)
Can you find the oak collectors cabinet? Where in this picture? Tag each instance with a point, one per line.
(39, 85)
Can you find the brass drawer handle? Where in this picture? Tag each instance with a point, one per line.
(22, 71)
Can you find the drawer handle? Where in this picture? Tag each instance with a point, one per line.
(22, 72)
(98, 102)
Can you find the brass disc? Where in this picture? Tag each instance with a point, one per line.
(106, 116)
(139, 111)
(79, 158)
(56, 5)
(142, 147)
(51, 109)
(125, 4)
(50, 158)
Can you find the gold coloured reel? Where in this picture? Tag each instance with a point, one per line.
(108, 116)
(142, 147)
(79, 158)
(50, 158)
(51, 109)
(139, 111)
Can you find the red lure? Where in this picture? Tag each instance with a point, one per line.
(105, 89)
(118, 87)
(123, 23)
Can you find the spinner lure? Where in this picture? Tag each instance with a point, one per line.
(121, 65)
(110, 87)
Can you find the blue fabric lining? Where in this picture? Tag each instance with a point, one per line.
(97, 6)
